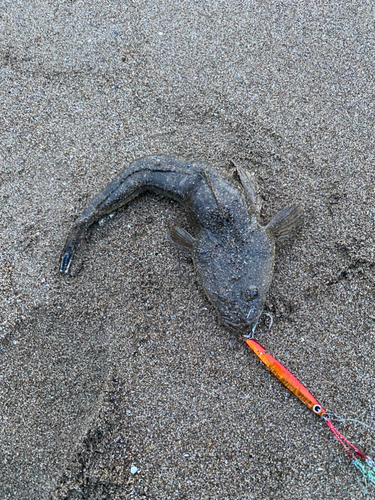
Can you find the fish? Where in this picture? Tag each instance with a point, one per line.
(234, 255)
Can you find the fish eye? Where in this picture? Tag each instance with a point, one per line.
(252, 293)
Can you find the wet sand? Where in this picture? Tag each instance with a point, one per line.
(123, 363)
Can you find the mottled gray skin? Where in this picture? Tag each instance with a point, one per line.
(233, 254)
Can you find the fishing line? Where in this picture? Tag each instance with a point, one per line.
(339, 419)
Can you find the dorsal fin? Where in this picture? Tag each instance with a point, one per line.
(285, 222)
(250, 186)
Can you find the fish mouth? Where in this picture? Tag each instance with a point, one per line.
(240, 326)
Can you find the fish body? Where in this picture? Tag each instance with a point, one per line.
(233, 254)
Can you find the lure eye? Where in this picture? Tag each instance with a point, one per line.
(252, 293)
(317, 408)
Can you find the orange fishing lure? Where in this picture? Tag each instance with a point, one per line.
(363, 463)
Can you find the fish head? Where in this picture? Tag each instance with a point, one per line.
(236, 274)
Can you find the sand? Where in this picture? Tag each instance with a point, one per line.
(124, 364)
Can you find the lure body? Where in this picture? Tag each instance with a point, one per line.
(286, 377)
(360, 460)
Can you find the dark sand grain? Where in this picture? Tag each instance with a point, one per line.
(124, 364)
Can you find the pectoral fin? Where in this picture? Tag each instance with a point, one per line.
(285, 222)
(182, 238)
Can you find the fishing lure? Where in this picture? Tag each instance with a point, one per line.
(361, 461)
